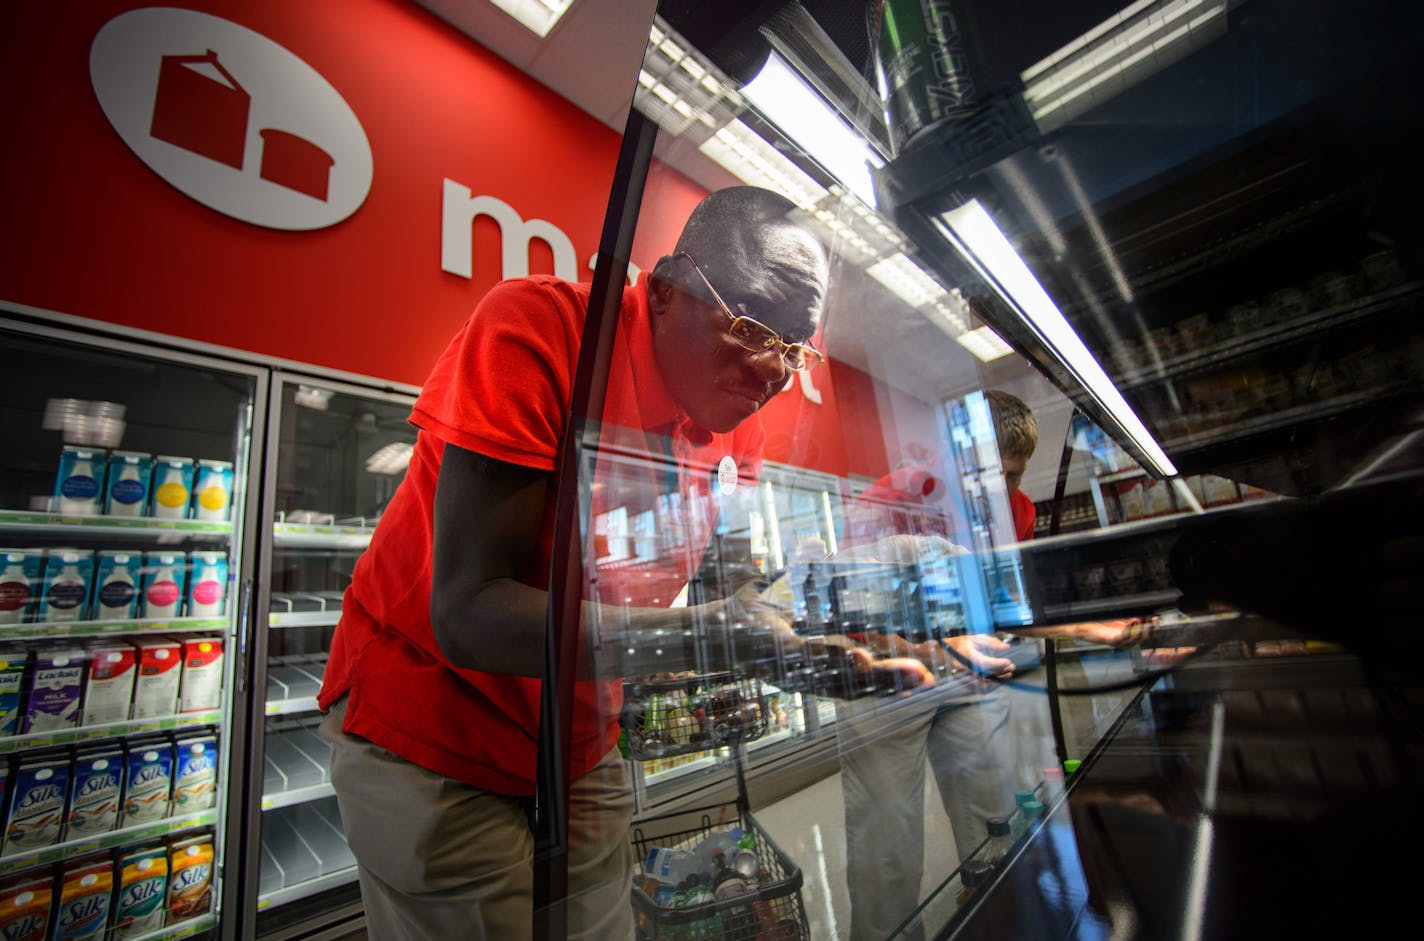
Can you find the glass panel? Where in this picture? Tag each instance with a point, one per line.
(1176, 234)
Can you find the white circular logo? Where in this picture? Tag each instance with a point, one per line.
(727, 476)
(231, 118)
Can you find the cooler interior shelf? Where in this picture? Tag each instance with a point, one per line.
(304, 851)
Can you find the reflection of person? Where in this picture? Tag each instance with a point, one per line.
(433, 705)
(978, 736)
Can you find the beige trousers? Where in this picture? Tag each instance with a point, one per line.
(439, 859)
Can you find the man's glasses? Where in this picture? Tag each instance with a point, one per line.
(756, 337)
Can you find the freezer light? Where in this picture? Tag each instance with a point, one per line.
(985, 344)
(537, 16)
(391, 459)
(781, 95)
(976, 236)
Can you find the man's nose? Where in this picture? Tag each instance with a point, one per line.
(770, 367)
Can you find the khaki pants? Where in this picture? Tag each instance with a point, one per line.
(439, 859)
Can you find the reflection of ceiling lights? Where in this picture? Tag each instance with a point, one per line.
(391, 459)
(538, 16)
(985, 344)
(80, 421)
(312, 397)
(747, 156)
(906, 279)
(1142, 39)
(804, 116)
(976, 236)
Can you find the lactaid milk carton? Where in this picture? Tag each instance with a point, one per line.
(139, 906)
(109, 689)
(79, 485)
(201, 686)
(64, 593)
(148, 780)
(160, 667)
(56, 688)
(207, 584)
(14, 664)
(96, 796)
(165, 575)
(25, 902)
(129, 479)
(190, 877)
(195, 771)
(116, 575)
(172, 487)
(212, 490)
(86, 889)
(21, 572)
(39, 793)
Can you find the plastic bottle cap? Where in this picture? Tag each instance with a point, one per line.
(1071, 765)
(1023, 797)
(998, 826)
(1033, 809)
(974, 873)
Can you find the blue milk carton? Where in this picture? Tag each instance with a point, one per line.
(56, 688)
(195, 774)
(64, 592)
(148, 784)
(85, 892)
(129, 478)
(212, 490)
(79, 485)
(21, 571)
(97, 792)
(142, 876)
(116, 576)
(39, 793)
(172, 487)
(14, 663)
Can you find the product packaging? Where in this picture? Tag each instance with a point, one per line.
(212, 490)
(98, 789)
(108, 692)
(116, 577)
(201, 687)
(172, 487)
(78, 487)
(148, 783)
(130, 476)
(56, 688)
(160, 667)
(140, 905)
(21, 572)
(161, 586)
(39, 793)
(64, 595)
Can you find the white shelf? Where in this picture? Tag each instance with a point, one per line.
(300, 795)
(320, 536)
(109, 730)
(74, 848)
(43, 629)
(183, 929)
(304, 618)
(282, 707)
(304, 889)
(29, 522)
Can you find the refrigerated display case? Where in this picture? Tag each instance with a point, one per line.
(126, 488)
(1184, 230)
(336, 452)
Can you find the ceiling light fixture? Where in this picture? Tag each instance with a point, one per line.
(976, 236)
(390, 459)
(537, 16)
(985, 344)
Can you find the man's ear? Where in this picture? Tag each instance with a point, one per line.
(661, 284)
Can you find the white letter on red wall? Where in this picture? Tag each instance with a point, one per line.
(458, 212)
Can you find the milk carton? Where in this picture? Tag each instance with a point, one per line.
(129, 480)
(14, 663)
(142, 891)
(161, 585)
(160, 666)
(64, 593)
(21, 571)
(38, 795)
(195, 772)
(148, 780)
(78, 487)
(25, 900)
(86, 888)
(109, 689)
(207, 584)
(212, 490)
(172, 487)
(56, 687)
(116, 576)
(97, 790)
(190, 877)
(201, 686)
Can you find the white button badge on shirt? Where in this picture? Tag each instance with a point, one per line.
(727, 476)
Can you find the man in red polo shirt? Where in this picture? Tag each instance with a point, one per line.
(431, 689)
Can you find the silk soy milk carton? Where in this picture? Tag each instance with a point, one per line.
(38, 795)
(195, 772)
(160, 666)
(25, 900)
(143, 889)
(97, 791)
(190, 877)
(86, 888)
(148, 780)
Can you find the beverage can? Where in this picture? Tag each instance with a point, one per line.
(130, 475)
(212, 490)
(172, 487)
(927, 63)
(78, 487)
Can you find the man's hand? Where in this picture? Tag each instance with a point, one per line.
(978, 650)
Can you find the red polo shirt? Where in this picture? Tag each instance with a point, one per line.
(502, 388)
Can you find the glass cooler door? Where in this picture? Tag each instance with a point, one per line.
(125, 515)
(1183, 233)
(336, 453)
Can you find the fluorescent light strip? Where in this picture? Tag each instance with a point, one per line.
(1116, 46)
(985, 344)
(781, 95)
(752, 160)
(983, 244)
(906, 279)
(391, 459)
(537, 16)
